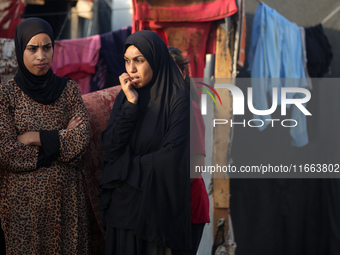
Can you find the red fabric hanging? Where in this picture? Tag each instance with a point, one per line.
(10, 12)
(187, 25)
(180, 11)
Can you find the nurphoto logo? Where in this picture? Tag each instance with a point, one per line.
(280, 96)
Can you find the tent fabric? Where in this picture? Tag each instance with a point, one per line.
(289, 216)
(286, 216)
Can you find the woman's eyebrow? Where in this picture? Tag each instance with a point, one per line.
(36, 46)
(134, 57)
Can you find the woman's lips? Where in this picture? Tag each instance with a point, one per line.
(41, 66)
(135, 80)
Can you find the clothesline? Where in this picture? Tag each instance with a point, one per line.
(328, 17)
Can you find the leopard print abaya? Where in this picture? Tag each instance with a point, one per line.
(45, 210)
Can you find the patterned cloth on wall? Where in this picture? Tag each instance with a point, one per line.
(8, 60)
(99, 105)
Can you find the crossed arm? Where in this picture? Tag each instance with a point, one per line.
(33, 137)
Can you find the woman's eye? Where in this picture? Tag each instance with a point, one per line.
(32, 49)
(47, 47)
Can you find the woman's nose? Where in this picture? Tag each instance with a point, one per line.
(132, 68)
(40, 54)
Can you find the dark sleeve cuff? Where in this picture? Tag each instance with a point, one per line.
(49, 149)
(131, 110)
(130, 107)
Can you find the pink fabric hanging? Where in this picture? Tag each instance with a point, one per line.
(77, 59)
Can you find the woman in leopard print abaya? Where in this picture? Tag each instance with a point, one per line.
(44, 135)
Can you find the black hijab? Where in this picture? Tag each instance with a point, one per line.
(159, 96)
(155, 160)
(46, 88)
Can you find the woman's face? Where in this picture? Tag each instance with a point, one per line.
(38, 54)
(137, 67)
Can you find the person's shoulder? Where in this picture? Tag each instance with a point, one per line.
(72, 87)
(71, 84)
(180, 96)
(180, 91)
(71, 91)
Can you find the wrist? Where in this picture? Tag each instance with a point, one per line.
(133, 101)
(35, 138)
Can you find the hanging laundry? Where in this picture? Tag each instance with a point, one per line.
(77, 59)
(112, 53)
(99, 77)
(304, 53)
(8, 60)
(191, 39)
(186, 25)
(10, 12)
(276, 52)
(180, 11)
(319, 52)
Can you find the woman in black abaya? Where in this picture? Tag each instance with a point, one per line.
(145, 186)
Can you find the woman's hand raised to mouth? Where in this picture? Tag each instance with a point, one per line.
(128, 88)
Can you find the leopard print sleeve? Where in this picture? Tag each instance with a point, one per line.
(74, 142)
(14, 156)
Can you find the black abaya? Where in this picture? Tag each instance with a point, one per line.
(145, 185)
